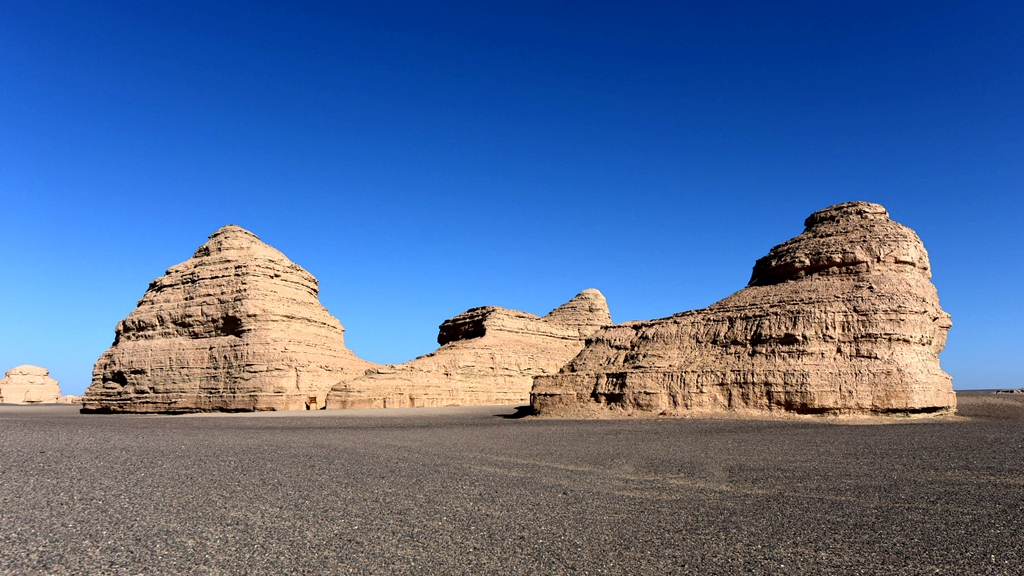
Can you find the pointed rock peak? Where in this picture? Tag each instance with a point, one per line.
(847, 211)
(233, 230)
(587, 311)
(231, 238)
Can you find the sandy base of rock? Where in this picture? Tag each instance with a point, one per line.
(970, 404)
(986, 404)
(606, 412)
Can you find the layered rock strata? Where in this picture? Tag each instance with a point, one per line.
(841, 319)
(28, 385)
(237, 327)
(488, 355)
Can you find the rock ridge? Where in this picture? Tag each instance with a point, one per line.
(487, 355)
(841, 319)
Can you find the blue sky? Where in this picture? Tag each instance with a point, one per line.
(424, 158)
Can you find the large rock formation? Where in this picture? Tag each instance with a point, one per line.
(488, 355)
(28, 385)
(840, 319)
(237, 327)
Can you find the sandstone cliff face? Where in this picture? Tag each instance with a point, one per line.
(840, 319)
(237, 327)
(28, 385)
(488, 355)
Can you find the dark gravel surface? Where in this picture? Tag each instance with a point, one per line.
(467, 491)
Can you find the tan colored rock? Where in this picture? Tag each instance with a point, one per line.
(488, 355)
(28, 385)
(841, 319)
(72, 399)
(237, 327)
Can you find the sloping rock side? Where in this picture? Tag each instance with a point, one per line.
(488, 355)
(28, 384)
(842, 319)
(237, 327)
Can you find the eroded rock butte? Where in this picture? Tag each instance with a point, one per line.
(841, 319)
(27, 384)
(488, 355)
(237, 327)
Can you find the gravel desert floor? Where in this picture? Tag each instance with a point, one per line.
(477, 491)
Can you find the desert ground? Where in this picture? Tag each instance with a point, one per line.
(480, 491)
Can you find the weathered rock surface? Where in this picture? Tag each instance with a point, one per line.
(840, 319)
(27, 384)
(237, 327)
(488, 355)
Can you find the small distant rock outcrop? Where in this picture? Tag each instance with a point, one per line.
(237, 327)
(488, 355)
(842, 319)
(28, 385)
(1011, 391)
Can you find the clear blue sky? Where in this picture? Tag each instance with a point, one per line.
(423, 158)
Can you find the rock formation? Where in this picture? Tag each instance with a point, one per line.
(237, 327)
(28, 385)
(488, 355)
(840, 319)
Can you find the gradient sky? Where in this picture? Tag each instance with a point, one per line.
(423, 158)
